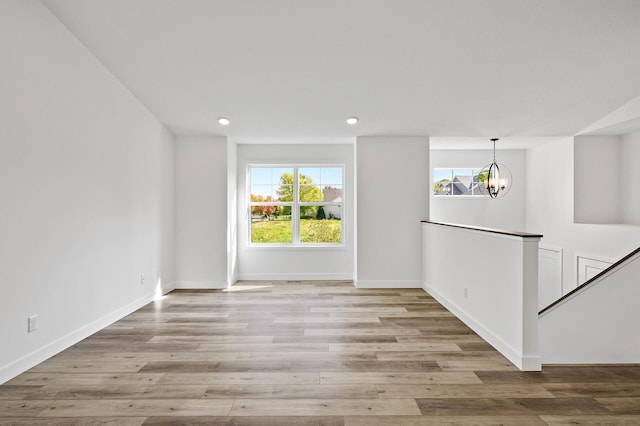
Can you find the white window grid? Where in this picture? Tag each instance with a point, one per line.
(295, 206)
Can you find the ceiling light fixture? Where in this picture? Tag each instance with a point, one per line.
(494, 179)
(224, 121)
(352, 120)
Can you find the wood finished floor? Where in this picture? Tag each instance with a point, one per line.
(311, 353)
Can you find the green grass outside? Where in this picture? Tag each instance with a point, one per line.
(311, 231)
(320, 231)
(271, 231)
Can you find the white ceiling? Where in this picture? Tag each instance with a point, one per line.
(503, 68)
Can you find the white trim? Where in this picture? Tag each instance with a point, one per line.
(463, 197)
(432, 182)
(320, 247)
(234, 279)
(531, 363)
(559, 258)
(294, 276)
(355, 210)
(523, 362)
(580, 279)
(36, 357)
(168, 288)
(388, 284)
(295, 204)
(293, 141)
(204, 284)
(591, 285)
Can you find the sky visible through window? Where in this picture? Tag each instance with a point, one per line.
(326, 176)
(265, 181)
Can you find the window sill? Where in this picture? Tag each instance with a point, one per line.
(290, 247)
(460, 197)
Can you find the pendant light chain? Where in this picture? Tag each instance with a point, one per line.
(494, 150)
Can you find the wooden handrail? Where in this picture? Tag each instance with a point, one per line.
(483, 229)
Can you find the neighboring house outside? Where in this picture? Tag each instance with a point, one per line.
(461, 185)
(333, 195)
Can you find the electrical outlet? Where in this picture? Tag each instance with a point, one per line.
(466, 292)
(32, 323)
(142, 279)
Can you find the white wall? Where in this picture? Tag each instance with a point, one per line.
(86, 183)
(630, 178)
(501, 213)
(201, 212)
(232, 212)
(597, 197)
(597, 325)
(550, 212)
(296, 263)
(489, 281)
(393, 179)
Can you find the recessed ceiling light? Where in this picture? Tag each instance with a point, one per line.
(224, 121)
(352, 120)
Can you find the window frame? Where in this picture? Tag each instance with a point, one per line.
(474, 170)
(295, 205)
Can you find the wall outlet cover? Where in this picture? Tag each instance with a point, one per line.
(32, 323)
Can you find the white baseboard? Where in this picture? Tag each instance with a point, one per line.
(168, 288)
(524, 363)
(36, 357)
(531, 363)
(200, 285)
(388, 284)
(294, 276)
(231, 281)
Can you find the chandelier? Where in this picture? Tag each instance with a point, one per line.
(494, 179)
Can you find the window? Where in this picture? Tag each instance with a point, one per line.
(296, 205)
(457, 182)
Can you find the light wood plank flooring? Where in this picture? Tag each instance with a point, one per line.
(310, 353)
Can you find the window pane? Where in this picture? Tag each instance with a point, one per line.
(261, 175)
(321, 224)
(309, 173)
(322, 175)
(284, 192)
(261, 192)
(442, 181)
(443, 187)
(332, 193)
(309, 184)
(310, 193)
(271, 224)
(320, 184)
(455, 182)
(331, 176)
(271, 183)
(280, 175)
(462, 181)
(476, 183)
